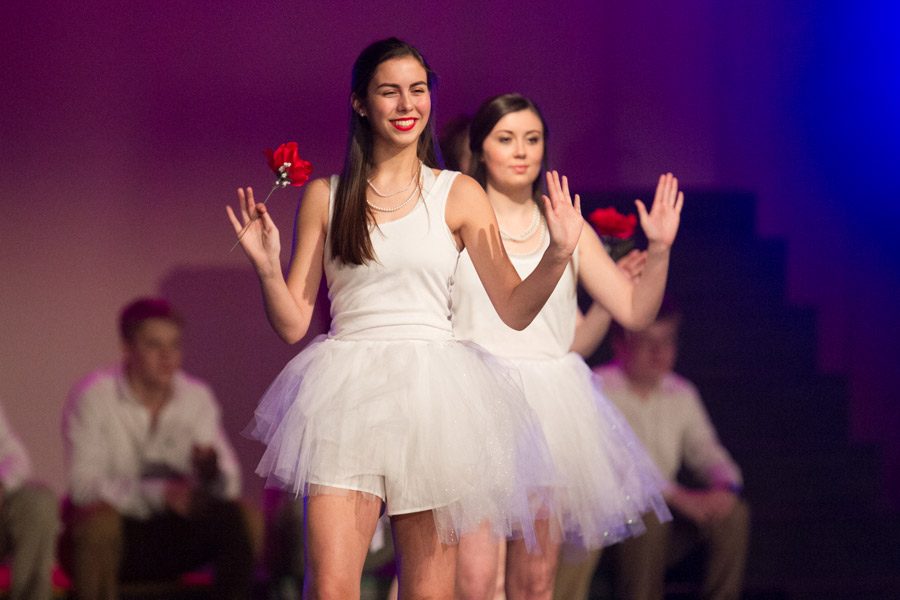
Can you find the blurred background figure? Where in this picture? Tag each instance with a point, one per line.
(668, 416)
(284, 543)
(153, 480)
(29, 521)
(454, 142)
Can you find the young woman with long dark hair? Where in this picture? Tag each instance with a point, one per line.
(389, 410)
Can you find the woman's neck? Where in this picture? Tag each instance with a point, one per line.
(392, 165)
(519, 218)
(511, 204)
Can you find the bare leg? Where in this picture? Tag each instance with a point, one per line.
(427, 568)
(338, 531)
(530, 575)
(477, 564)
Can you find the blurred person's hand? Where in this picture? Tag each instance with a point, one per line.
(206, 463)
(703, 506)
(179, 496)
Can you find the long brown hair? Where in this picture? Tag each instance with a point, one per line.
(350, 242)
(491, 111)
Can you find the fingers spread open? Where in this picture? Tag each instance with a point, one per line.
(548, 204)
(233, 218)
(642, 210)
(660, 189)
(242, 204)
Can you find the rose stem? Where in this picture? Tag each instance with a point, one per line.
(252, 218)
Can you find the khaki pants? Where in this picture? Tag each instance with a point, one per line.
(101, 548)
(640, 563)
(29, 524)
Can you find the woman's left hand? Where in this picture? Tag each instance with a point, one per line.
(564, 219)
(660, 224)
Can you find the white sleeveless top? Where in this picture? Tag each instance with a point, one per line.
(405, 292)
(551, 333)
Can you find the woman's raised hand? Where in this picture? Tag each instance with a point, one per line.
(660, 225)
(632, 264)
(563, 217)
(258, 235)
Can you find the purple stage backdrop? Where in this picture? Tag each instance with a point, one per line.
(126, 128)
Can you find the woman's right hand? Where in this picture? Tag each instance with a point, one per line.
(261, 241)
(562, 214)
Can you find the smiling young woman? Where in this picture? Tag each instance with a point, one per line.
(389, 411)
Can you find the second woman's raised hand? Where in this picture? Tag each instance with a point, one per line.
(563, 216)
(632, 264)
(258, 235)
(660, 225)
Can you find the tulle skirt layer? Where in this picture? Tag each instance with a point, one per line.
(605, 479)
(424, 425)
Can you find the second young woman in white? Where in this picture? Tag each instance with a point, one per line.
(605, 480)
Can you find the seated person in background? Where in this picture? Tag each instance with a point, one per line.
(29, 521)
(153, 481)
(668, 416)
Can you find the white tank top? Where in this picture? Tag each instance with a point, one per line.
(405, 292)
(551, 333)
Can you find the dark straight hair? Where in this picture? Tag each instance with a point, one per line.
(350, 241)
(489, 113)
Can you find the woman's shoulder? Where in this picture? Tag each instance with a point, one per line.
(467, 202)
(315, 199)
(319, 185)
(465, 189)
(318, 190)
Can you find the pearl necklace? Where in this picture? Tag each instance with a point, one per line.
(383, 195)
(535, 221)
(416, 192)
(539, 247)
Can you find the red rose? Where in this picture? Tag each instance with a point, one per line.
(611, 223)
(289, 169)
(285, 161)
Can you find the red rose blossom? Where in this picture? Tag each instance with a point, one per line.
(289, 169)
(285, 161)
(611, 223)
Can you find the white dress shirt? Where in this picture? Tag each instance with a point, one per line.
(15, 467)
(674, 426)
(115, 456)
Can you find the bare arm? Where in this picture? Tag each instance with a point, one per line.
(635, 304)
(592, 327)
(472, 220)
(288, 301)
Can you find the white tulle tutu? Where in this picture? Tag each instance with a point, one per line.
(426, 425)
(606, 480)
